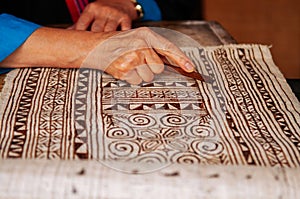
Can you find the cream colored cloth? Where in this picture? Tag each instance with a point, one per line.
(30, 179)
(247, 116)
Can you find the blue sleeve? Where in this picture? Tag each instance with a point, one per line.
(13, 33)
(151, 10)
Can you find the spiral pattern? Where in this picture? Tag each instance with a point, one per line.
(172, 120)
(123, 149)
(151, 158)
(141, 120)
(207, 147)
(120, 133)
(186, 158)
(200, 131)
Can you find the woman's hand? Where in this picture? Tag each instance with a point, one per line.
(107, 15)
(136, 55)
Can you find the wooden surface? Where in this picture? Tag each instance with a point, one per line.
(275, 23)
(206, 33)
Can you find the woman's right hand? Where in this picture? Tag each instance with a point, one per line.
(136, 55)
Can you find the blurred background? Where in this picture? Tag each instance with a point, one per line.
(271, 22)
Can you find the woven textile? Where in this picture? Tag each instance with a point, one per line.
(247, 116)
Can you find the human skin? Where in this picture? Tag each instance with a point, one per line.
(65, 48)
(103, 15)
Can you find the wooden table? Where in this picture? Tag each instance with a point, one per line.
(207, 33)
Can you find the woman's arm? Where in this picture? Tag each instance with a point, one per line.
(133, 55)
(54, 47)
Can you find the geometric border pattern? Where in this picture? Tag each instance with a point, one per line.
(247, 116)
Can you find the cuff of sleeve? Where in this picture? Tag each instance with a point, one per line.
(151, 10)
(13, 33)
(5, 70)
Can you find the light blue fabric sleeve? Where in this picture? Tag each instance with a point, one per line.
(151, 10)
(13, 33)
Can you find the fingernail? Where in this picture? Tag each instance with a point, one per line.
(189, 66)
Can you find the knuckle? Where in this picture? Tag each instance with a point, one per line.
(144, 31)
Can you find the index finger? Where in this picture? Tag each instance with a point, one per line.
(177, 58)
(171, 53)
(84, 21)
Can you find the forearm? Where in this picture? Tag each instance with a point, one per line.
(54, 47)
